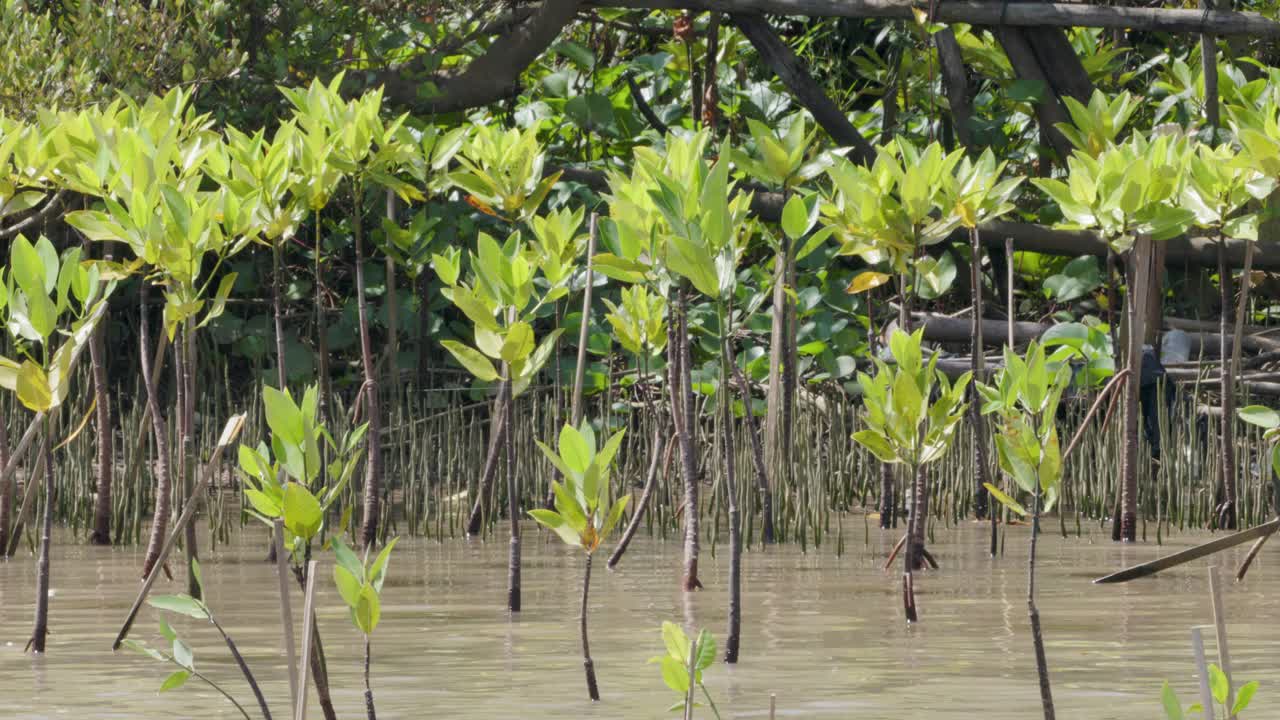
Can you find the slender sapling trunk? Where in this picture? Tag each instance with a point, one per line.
(593, 690)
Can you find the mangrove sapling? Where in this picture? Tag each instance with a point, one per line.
(360, 585)
(41, 292)
(1129, 193)
(640, 235)
(1024, 397)
(502, 285)
(890, 212)
(368, 149)
(502, 172)
(1219, 183)
(683, 664)
(583, 516)
(782, 161)
(1218, 689)
(299, 444)
(182, 654)
(155, 204)
(639, 324)
(183, 657)
(708, 234)
(980, 195)
(904, 426)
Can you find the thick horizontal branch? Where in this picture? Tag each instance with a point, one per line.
(981, 12)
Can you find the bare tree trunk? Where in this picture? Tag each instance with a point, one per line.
(981, 503)
(680, 387)
(105, 469)
(731, 489)
(1042, 664)
(278, 321)
(681, 404)
(777, 453)
(1139, 262)
(480, 490)
(6, 487)
(322, 329)
(513, 501)
(186, 425)
(368, 689)
(909, 561)
(1226, 510)
(41, 629)
(160, 431)
(757, 451)
(424, 329)
(593, 690)
(277, 314)
(393, 316)
(373, 438)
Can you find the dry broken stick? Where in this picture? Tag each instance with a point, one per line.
(229, 434)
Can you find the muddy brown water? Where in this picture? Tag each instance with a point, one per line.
(824, 634)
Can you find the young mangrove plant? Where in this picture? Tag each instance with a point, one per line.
(500, 303)
(1129, 193)
(1024, 398)
(781, 161)
(1219, 184)
(708, 233)
(182, 655)
(584, 515)
(40, 292)
(906, 426)
(360, 585)
(979, 195)
(683, 664)
(1219, 686)
(888, 213)
(148, 165)
(639, 324)
(283, 482)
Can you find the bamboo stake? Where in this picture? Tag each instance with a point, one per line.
(229, 433)
(286, 610)
(308, 610)
(1220, 626)
(1202, 671)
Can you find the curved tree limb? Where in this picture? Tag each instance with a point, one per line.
(49, 208)
(490, 77)
(779, 56)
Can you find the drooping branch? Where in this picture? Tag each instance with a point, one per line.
(490, 77)
(989, 12)
(779, 56)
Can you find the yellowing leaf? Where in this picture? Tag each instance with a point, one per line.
(865, 281)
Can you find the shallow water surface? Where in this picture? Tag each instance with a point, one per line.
(825, 634)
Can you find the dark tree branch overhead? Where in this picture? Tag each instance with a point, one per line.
(490, 77)
(989, 12)
(779, 56)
